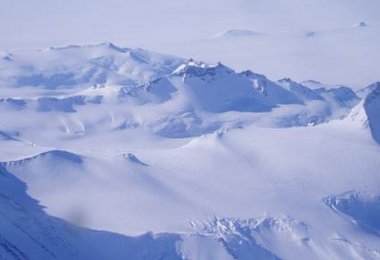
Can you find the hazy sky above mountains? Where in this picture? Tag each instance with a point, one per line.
(44, 22)
(184, 28)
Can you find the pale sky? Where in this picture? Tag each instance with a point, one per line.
(42, 23)
(181, 27)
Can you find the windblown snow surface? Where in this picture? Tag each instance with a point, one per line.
(117, 153)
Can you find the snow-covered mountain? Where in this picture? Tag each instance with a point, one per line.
(236, 33)
(75, 66)
(178, 159)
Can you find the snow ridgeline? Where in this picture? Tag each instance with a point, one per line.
(181, 95)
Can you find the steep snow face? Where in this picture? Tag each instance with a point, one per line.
(366, 114)
(372, 108)
(73, 66)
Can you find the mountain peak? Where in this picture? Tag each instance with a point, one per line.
(199, 68)
(374, 95)
(286, 80)
(236, 33)
(311, 81)
(80, 66)
(6, 56)
(251, 74)
(112, 46)
(361, 24)
(303, 92)
(363, 93)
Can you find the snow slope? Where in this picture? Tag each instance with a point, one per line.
(28, 233)
(217, 164)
